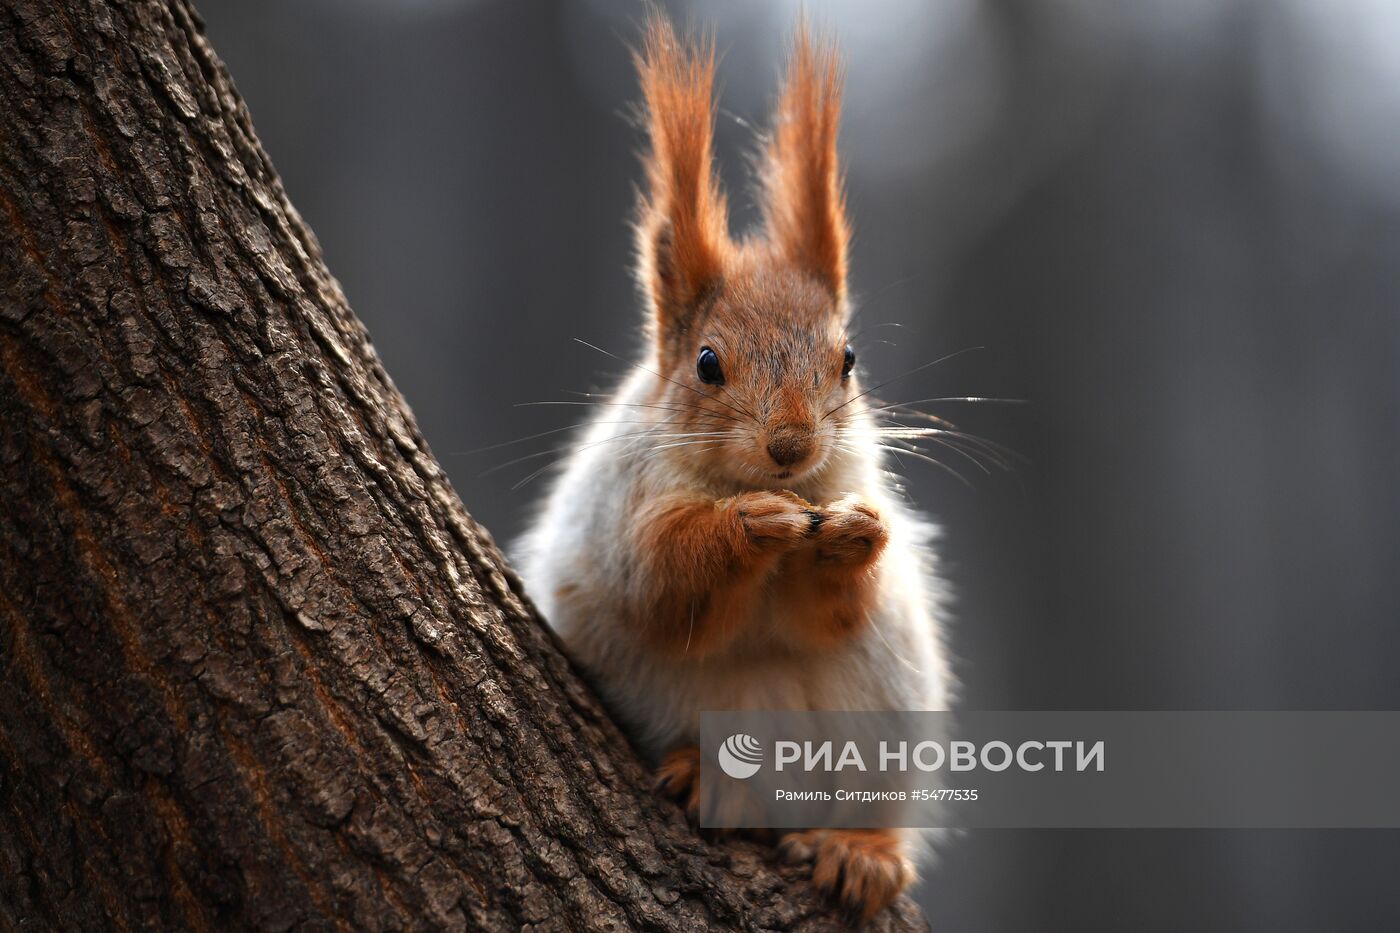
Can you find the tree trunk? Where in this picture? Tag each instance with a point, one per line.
(258, 668)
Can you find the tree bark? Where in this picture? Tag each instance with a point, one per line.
(258, 667)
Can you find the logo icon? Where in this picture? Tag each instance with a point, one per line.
(740, 756)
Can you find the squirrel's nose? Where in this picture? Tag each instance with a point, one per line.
(790, 446)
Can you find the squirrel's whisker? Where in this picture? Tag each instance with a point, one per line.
(658, 375)
(684, 409)
(909, 447)
(949, 398)
(955, 440)
(923, 456)
(574, 448)
(1001, 454)
(916, 369)
(532, 437)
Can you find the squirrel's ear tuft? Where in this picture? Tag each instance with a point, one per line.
(683, 227)
(804, 201)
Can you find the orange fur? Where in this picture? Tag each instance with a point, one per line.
(706, 561)
(805, 205)
(678, 777)
(723, 539)
(865, 869)
(683, 230)
(828, 585)
(774, 310)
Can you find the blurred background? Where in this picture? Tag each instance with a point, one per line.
(1172, 226)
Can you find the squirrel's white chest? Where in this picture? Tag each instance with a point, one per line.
(891, 665)
(660, 701)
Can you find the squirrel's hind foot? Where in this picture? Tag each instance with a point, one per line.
(863, 869)
(679, 779)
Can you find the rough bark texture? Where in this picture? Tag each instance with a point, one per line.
(258, 668)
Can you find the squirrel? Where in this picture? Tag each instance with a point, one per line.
(726, 536)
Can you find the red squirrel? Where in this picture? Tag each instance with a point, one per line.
(727, 535)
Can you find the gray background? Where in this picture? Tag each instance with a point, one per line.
(1175, 228)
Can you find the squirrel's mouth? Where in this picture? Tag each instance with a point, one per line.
(786, 474)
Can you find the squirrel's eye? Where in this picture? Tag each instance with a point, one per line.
(707, 367)
(849, 362)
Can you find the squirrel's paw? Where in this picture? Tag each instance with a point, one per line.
(679, 779)
(775, 520)
(851, 533)
(862, 869)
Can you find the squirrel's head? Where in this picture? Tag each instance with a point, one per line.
(748, 338)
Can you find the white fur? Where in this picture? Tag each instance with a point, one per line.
(580, 541)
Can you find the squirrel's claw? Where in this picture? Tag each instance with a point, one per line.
(865, 870)
(678, 778)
